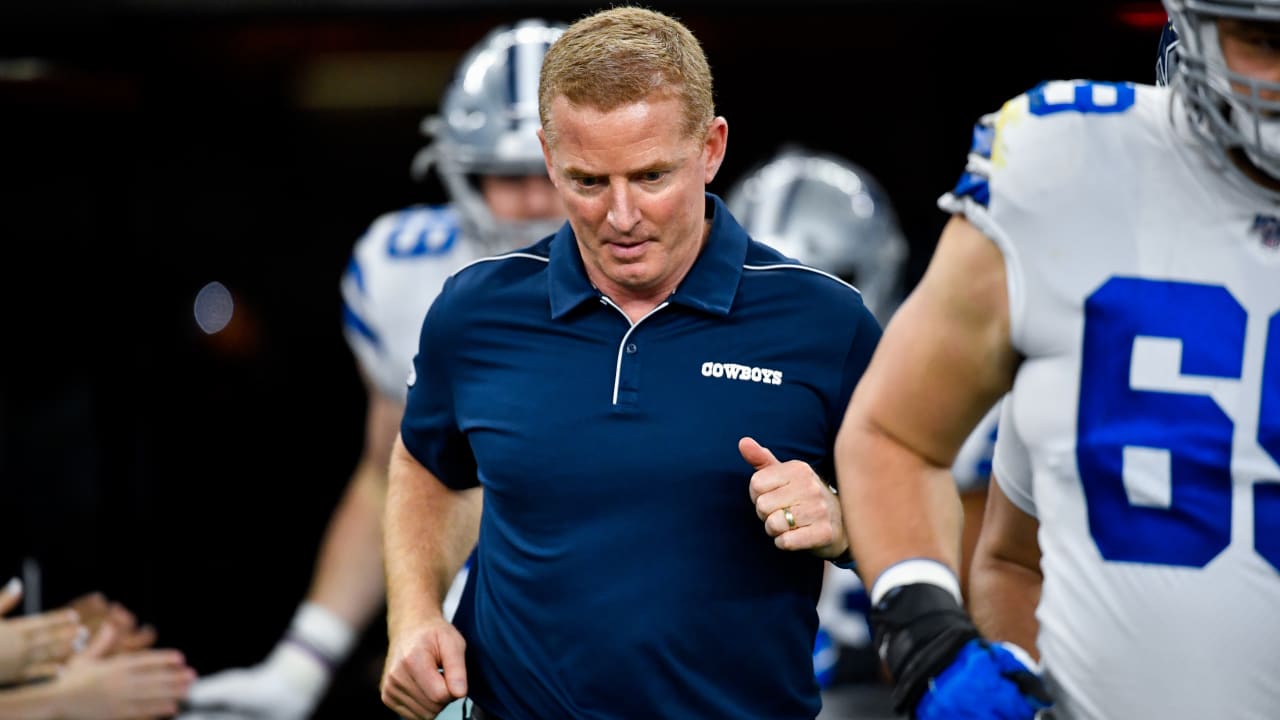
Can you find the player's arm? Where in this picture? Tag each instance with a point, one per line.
(973, 502)
(944, 360)
(346, 592)
(1005, 579)
(429, 532)
(348, 579)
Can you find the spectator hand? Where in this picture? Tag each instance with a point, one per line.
(34, 646)
(10, 595)
(94, 610)
(798, 508)
(144, 684)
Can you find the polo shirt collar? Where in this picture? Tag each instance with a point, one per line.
(710, 286)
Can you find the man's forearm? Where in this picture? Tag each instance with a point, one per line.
(429, 531)
(348, 576)
(1003, 598)
(899, 507)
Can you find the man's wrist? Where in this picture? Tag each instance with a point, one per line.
(845, 560)
(916, 570)
(920, 627)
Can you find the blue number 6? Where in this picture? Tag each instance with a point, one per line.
(1193, 430)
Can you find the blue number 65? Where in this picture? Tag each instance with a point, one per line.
(1195, 527)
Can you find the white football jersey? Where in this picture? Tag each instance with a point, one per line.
(397, 268)
(1143, 428)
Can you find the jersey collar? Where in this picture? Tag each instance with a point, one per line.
(710, 286)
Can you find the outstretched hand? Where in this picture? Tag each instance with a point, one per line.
(143, 684)
(797, 507)
(35, 646)
(95, 610)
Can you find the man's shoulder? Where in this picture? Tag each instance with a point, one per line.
(417, 216)
(805, 296)
(417, 233)
(1062, 142)
(506, 270)
(767, 264)
(1071, 118)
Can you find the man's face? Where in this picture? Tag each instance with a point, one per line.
(633, 183)
(517, 198)
(1252, 49)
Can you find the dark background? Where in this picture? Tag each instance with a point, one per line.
(150, 147)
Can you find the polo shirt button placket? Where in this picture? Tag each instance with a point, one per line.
(632, 349)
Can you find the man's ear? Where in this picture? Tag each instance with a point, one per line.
(715, 144)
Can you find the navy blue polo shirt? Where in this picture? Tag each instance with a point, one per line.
(621, 569)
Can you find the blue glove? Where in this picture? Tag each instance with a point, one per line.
(985, 682)
(942, 668)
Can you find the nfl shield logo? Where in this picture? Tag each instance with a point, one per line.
(1267, 228)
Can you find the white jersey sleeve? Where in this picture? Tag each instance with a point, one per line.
(396, 270)
(1011, 465)
(972, 467)
(1144, 298)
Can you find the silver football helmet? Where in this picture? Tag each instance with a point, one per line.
(827, 213)
(1221, 117)
(487, 125)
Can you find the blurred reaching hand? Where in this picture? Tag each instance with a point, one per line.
(95, 609)
(34, 646)
(143, 684)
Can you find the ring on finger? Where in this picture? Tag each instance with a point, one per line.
(791, 519)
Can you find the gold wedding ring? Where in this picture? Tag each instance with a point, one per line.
(791, 519)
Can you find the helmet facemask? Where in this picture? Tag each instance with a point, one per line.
(1228, 109)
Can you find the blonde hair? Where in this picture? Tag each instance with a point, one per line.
(621, 56)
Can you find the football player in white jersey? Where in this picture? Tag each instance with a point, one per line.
(485, 151)
(1114, 259)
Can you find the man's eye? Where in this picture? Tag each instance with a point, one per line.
(653, 176)
(588, 181)
(1263, 40)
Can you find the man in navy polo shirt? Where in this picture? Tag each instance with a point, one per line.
(623, 392)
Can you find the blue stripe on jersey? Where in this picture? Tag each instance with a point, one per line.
(357, 275)
(975, 186)
(985, 463)
(356, 323)
(983, 138)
